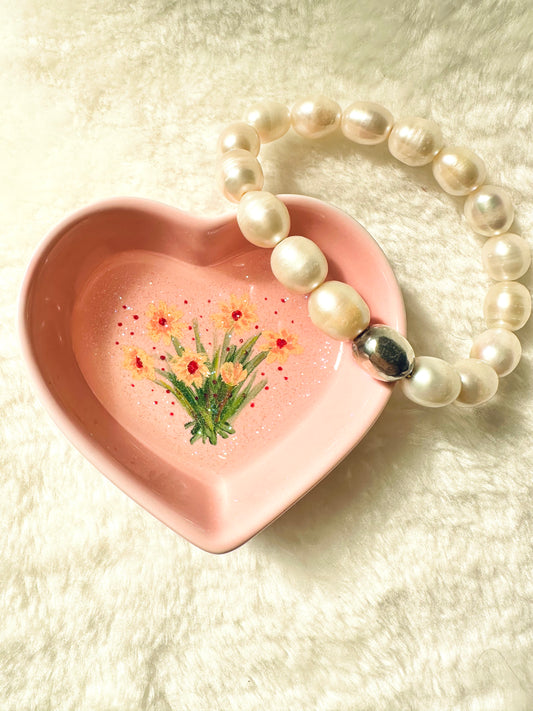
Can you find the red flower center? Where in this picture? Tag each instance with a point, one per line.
(236, 315)
(162, 321)
(193, 367)
(138, 362)
(281, 342)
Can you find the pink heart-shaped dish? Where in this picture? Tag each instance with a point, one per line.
(169, 355)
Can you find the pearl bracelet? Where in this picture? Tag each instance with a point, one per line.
(335, 307)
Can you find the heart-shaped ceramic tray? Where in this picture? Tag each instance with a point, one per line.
(143, 328)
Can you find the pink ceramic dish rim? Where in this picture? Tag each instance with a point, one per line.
(92, 450)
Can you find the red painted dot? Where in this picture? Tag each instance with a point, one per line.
(227, 349)
(266, 387)
(155, 402)
(167, 391)
(116, 343)
(190, 328)
(153, 348)
(162, 369)
(162, 357)
(152, 390)
(275, 312)
(193, 367)
(172, 414)
(124, 306)
(286, 378)
(284, 300)
(208, 301)
(262, 373)
(185, 301)
(201, 316)
(252, 404)
(119, 323)
(279, 367)
(136, 317)
(172, 403)
(236, 315)
(241, 340)
(256, 328)
(138, 362)
(292, 321)
(133, 385)
(162, 321)
(266, 298)
(281, 343)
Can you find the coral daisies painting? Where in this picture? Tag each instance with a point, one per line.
(212, 387)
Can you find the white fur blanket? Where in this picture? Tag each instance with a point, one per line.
(403, 581)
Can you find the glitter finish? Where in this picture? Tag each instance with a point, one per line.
(101, 300)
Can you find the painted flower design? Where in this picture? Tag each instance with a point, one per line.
(281, 344)
(164, 321)
(233, 373)
(138, 362)
(191, 367)
(239, 314)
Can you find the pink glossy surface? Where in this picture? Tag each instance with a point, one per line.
(85, 301)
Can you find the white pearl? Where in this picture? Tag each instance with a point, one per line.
(499, 348)
(239, 135)
(507, 305)
(506, 257)
(239, 172)
(458, 170)
(315, 117)
(270, 119)
(263, 219)
(479, 381)
(432, 383)
(367, 123)
(415, 141)
(489, 210)
(299, 264)
(338, 310)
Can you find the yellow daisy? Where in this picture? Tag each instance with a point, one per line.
(239, 314)
(281, 345)
(191, 368)
(138, 362)
(164, 321)
(233, 373)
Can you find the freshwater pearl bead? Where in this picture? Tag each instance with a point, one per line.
(239, 135)
(506, 257)
(367, 123)
(315, 117)
(507, 305)
(238, 173)
(432, 383)
(263, 219)
(489, 210)
(338, 310)
(270, 119)
(458, 170)
(384, 353)
(479, 382)
(415, 141)
(299, 264)
(499, 348)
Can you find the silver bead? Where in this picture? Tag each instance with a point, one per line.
(384, 353)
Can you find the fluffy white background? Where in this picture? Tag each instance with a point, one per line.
(402, 582)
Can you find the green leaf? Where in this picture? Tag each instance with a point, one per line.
(256, 360)
(199, 346)
(245, 350)
(177, 345)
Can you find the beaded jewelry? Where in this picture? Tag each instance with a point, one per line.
(335, 307)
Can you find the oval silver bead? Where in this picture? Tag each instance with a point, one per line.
(384, 353)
